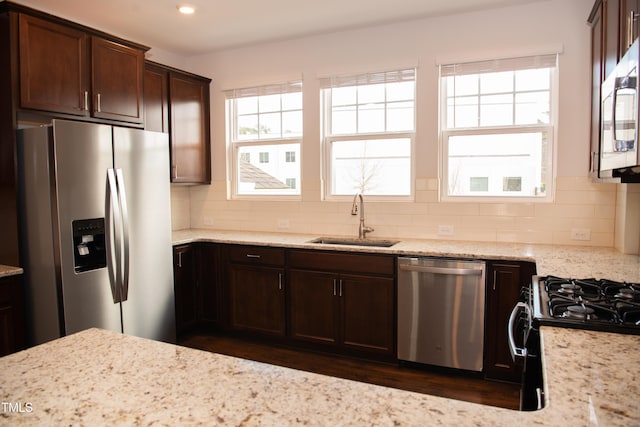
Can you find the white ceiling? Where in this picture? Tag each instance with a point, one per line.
(219, 24)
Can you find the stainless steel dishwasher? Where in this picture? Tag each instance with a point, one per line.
(441, 312)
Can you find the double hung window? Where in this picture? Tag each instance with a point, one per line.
(497, 128)
(265, 133)
(368, 133)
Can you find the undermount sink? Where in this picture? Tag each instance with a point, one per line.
(354, 242)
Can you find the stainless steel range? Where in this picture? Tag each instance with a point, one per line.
(593, 304)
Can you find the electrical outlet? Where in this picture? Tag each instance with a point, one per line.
(283, 224)
(580, 234)
(207, 220)
(445, 230)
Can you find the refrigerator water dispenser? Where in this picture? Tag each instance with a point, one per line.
(89, 245)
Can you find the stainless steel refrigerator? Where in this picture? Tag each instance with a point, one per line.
(95, 225)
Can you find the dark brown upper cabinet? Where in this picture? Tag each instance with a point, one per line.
(190, 133)
(629, 22)
(156, 98)
(53, 67)
(177, 102)
(116, 81)
(66, 70)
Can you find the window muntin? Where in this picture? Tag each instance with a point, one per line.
(263, 117)
(265, 133)
(369, 127)
(498, 123)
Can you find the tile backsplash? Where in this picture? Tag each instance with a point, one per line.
(583, 213)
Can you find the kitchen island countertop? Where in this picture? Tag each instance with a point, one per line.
(563, 261)
(97, 377)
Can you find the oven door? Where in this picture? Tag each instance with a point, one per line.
(524, 344)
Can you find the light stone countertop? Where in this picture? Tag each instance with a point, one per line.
(7, 270)
(563, 261)
(97, 378)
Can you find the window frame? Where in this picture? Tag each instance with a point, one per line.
(234, 145)
(327, 140)
(551, 130)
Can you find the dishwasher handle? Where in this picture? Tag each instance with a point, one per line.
(443, 270)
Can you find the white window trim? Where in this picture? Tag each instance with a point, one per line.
(233, 146)
(443, 173)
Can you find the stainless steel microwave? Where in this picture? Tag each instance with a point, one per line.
(619, 121)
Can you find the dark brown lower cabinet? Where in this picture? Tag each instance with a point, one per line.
(257, 299)
(185, 288)
(313, 308)
(198, 296)
(504, 283)
(367, 313)
(255, 284)
(348, 312)
(12, 321)
(210, 307)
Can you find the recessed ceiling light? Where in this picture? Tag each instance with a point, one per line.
(186, 9)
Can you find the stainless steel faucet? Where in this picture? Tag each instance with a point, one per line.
(363, 229)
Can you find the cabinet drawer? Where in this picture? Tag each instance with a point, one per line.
(348, 262)
(256, 255)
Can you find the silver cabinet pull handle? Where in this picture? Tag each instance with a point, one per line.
(280, 281)
(86, 100)
(253, 256)
(98, 107)
(631, 19)
(340, 287)
(334, 287)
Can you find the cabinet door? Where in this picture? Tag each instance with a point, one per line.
(184, 288)
(611, 40)
(117, 81)
(12, 322)
(208, 272)
(505, 280)
(53, 67)
(597, 77)
(257, 299)
(629, 10)
(156, 101)
(190, 133)
(367, 313)
(313, 306)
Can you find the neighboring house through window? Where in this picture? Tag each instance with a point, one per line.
(368, 133)
(497, 128)
(265, 133)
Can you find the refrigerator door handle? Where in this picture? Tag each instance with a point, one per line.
(122, 195)
(113, 235)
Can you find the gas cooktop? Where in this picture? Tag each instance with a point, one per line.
(595, 304)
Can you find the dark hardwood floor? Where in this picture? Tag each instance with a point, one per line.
(421, 380)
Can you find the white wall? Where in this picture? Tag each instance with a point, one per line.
(516, 30)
